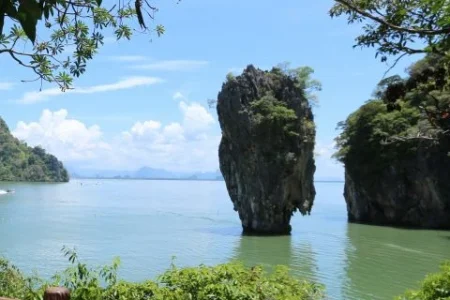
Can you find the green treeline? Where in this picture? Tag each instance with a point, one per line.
(19, 162)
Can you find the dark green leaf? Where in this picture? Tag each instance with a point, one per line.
(32, 8)
(2, 22)
(28, 20)
(11, 10)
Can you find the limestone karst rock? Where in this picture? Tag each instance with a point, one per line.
(266, 152)
(413, 191)
(396, 151)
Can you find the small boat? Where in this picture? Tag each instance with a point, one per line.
(4, 192)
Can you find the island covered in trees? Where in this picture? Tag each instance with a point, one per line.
(19, 162)
(395, 150)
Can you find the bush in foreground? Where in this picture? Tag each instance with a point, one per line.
(434, 287)
(230, 281)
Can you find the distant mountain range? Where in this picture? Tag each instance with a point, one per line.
(144, 173)
(152, 173)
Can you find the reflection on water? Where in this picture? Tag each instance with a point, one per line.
(270, 252)
(383, 262)
(264, 251)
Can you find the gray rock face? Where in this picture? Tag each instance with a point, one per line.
(266, 159)
(413, 192)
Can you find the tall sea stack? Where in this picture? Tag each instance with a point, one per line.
(266, 152)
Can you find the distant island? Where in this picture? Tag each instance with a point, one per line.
(144, 173)
(19, 162)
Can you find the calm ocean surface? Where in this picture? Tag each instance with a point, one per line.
(146, 223)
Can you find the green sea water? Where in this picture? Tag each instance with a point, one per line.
(147, 223)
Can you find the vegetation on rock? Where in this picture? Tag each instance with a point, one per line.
(230, 281)
(417, 115)
(19, 162)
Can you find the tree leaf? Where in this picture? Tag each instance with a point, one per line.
(28, 20)
(10, 10)
(32, 8)
(2, 22)
(99, 2)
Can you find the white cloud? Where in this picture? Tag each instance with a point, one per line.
(327, 168)
(196, 117)
(324, 150)
(70, 139)
(4, 86)
(174, 132)
(127, 83)
(178, 96)
(188, 145)
(172, 65)
(147, 126)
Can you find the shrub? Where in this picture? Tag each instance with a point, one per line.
(233, 281)
(14, 284)
(230, 281)
(434, 287)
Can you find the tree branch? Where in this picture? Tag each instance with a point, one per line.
(395, 64)
(355, 8)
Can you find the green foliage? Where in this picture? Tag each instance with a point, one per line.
(407, 113)
(54, 26)
(234, 281)
(303, 79)
(83, 281)
(268, 113)
(230, 281)
(18, 162)
(434, 287)
(230, 76)
(273, 116)
(360, 145)
(14, 284)
(398, 27)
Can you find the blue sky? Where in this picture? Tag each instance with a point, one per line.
(144, 103)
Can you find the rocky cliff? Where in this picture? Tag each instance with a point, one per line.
(413, 191)
(396, 152)
(266, 151)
